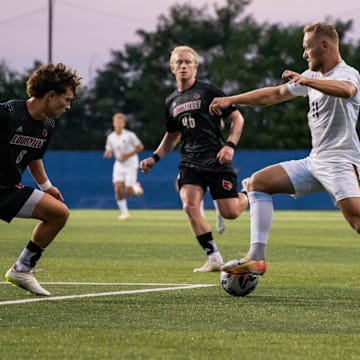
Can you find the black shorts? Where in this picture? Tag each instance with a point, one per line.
(222, 185)
(12, 199)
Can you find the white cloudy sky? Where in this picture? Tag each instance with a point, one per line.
(85, 31)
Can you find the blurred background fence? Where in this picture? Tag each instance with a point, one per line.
(84, 177)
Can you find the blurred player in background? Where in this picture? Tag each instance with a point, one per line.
(26, 127)
(220, 221)
(206, 158)
(333, 88)
(124, 145)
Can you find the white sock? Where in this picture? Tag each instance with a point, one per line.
(202, 212)
(216, 256)
(261, 216)
(216, 208)
(122, 204)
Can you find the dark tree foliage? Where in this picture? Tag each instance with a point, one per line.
(237, 53)
(12, 84)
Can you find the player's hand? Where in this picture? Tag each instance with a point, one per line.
(147, 164)
(293, 77)
(107, 154)
(218, 104)
(225, 155)
(55, 192)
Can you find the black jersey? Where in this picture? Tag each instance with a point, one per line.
(201, 138)
(22, 139)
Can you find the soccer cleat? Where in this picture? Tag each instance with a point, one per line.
(245, 266)
(209, 266)
(124, 216)
(25, 280)
(244, 184)
(138, 190)
(220, 224)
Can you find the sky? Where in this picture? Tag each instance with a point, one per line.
(85, 31)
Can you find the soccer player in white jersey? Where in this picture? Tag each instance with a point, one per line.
(334, 161)
(124, 145)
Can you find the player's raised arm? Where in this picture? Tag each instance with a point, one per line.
(259, 97)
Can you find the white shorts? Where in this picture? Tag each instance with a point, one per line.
(339, 179)
(125, 175)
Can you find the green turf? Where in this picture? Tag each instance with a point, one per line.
(305, 307)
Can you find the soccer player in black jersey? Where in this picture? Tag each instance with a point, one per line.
(26, 127)
(206, 158)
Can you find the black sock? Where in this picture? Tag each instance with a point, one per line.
(207, 242)
(29, 256)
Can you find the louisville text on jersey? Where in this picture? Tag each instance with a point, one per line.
(191, 105)
(28, 141)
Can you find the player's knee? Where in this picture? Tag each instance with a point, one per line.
(354, 222)
(62, 215)
(129, 191)
(254, 184)
(356, 226)
(231, 213)
(190, 209)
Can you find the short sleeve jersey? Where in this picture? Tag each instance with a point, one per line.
(201, 138)
(22, 139)
(332, 120)
(121, 143)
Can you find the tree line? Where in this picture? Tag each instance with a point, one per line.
(237, 54)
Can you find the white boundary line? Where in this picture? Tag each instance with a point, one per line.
(111, 293)
(104, 284)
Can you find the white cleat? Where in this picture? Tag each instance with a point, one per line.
(124, 217)
(25, 280)
(210, 266)
(138, 190)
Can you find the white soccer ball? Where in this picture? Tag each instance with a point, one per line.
(238, 284)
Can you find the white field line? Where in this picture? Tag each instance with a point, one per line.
(110, 293)
(104, 284)
(111, 284)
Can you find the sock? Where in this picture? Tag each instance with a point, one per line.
(122, 204)
(261, 215)
(28, 257)
(216, 256)
(257, 251)
(207, 243)
(216, 208)
(202, 211)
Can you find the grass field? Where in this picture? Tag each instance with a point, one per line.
(126, 290)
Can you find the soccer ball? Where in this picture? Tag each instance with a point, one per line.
(238, 284)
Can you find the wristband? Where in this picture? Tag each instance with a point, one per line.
(231, 144)
(156, 157)
(46, 185)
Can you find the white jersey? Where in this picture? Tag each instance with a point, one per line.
(123, 143)
(332, 120)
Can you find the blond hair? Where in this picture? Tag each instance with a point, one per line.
(184, 48)
(323, 29)
(119, 116)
